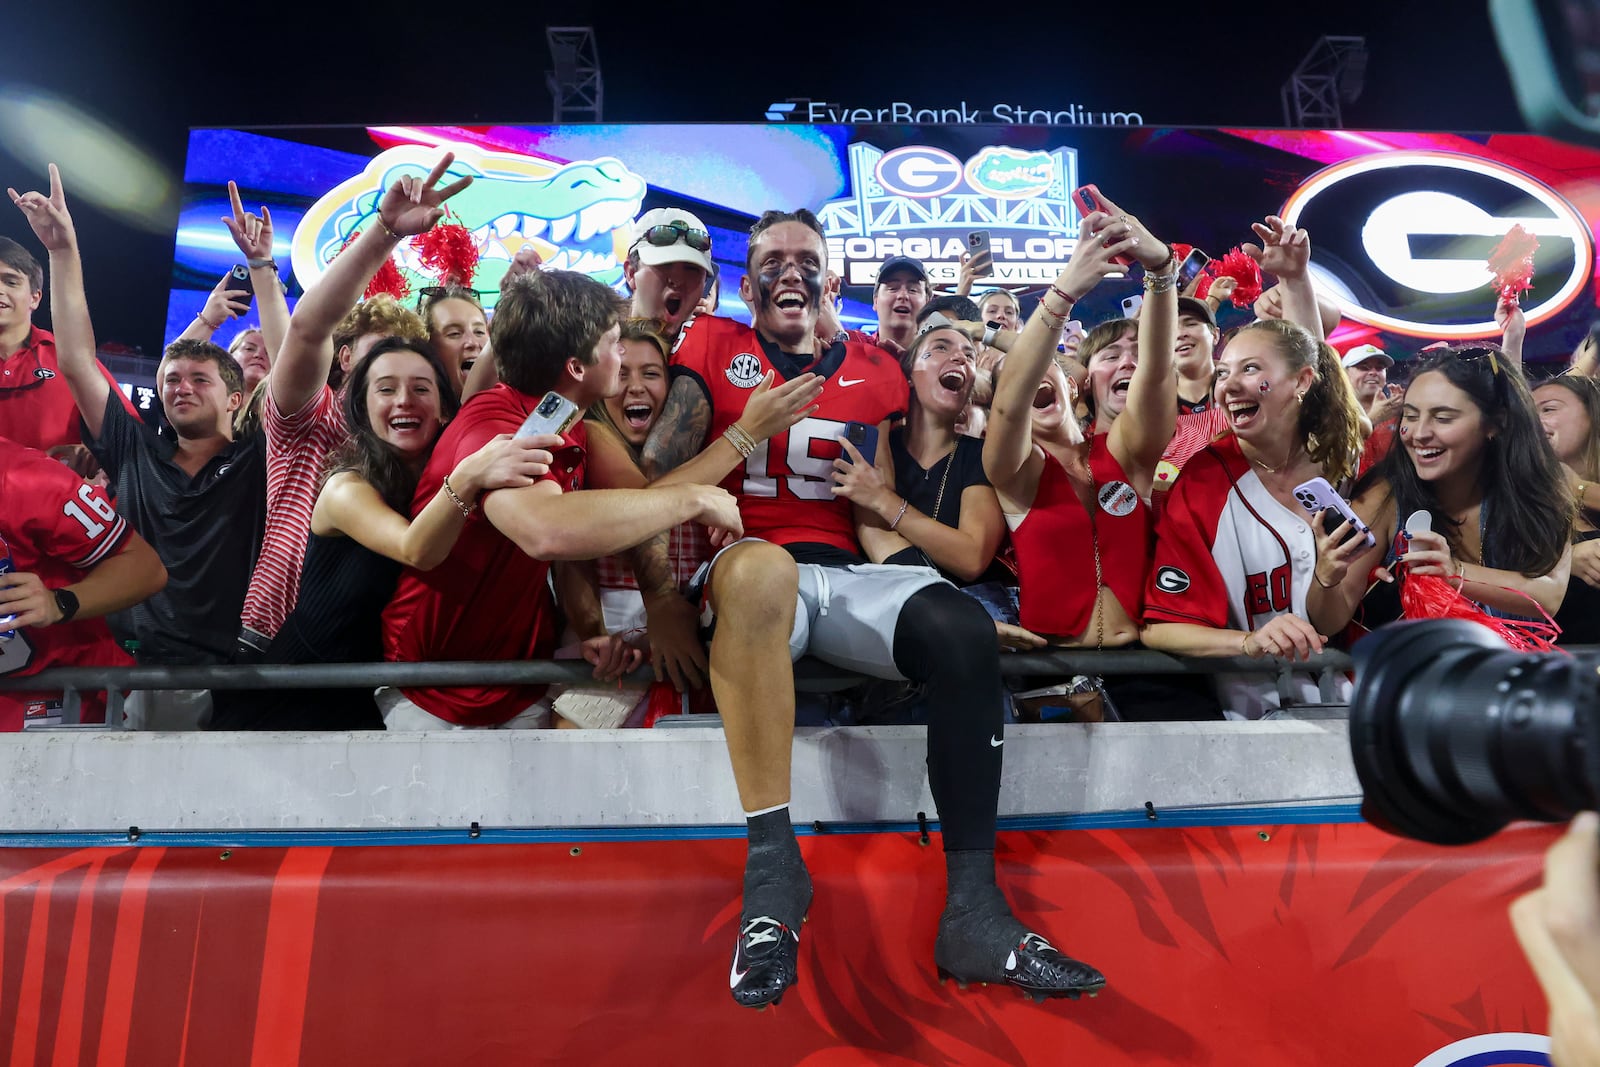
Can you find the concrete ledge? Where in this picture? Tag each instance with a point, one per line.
(77, 781)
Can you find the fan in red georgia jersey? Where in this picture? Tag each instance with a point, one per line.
(72, 560)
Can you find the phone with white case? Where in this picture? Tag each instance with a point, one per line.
(555, 414)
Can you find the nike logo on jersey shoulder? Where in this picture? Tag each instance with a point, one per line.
(846, 382)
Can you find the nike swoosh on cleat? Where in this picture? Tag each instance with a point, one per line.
(995, 742)
(851, 381)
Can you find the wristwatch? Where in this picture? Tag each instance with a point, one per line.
(991, 330)
(67, 604)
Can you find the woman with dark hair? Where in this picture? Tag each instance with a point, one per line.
(1235, 551)
(1475, 458)
(944, 512)
(396, 401)
(1569, 411)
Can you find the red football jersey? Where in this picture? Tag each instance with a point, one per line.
(785, 488)
(58, 526)
(36, 407)
(488, 599)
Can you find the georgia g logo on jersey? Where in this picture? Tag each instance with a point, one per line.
(1400, 240)
(44, 374)
(1172, 580)
(745, 371)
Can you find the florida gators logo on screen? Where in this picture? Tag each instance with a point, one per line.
(1493, 1050)
(578, 215)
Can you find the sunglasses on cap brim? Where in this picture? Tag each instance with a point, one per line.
(670, 233)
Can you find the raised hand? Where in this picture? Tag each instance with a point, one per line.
(1387, 404)
(224, 304)
(1285, 250)
(251, 232)
(772, 410)
(1221, 290)
(1100, 239)
(967, 276)
(413, 205)
(1148, 249)
(48, 215)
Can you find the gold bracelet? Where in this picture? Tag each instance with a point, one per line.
(741, 441)
(466, 508)
(201, 315)
(392, 235)
(1244, 646)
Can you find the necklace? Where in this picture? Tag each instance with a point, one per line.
(1272, 470)
(944, 480)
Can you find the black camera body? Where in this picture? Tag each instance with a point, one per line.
(1454, 734)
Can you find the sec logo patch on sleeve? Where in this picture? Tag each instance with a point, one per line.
(1172, 580)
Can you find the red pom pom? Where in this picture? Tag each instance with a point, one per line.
(1431, 597)
(387, 280)
(449, 252)
(1180, 250)
(1242, 269)
(1511, 263)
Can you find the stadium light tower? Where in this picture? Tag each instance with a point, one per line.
(1333, 72)
(575, 85)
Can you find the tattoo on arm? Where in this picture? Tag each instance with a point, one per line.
(680, 432)
(652, 566)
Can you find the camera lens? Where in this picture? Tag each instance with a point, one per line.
(1454, 734)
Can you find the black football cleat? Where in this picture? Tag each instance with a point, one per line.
(1038, 969)
(766, 961)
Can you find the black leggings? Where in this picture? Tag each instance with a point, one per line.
(945, 640)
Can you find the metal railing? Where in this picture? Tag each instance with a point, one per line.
(811, 676)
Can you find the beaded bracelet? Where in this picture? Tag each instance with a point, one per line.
(466, 508)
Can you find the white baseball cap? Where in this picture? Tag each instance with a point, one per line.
(669, 235)
(1361, 353)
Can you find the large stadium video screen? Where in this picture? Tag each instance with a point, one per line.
(1401, 224)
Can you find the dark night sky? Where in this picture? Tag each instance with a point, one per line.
(152, 71)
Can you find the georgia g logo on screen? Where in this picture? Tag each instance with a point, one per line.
(1400, 240)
